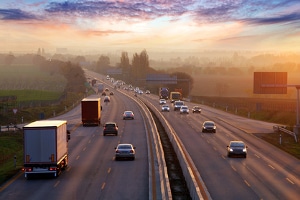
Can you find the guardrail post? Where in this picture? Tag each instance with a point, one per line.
(280, 139)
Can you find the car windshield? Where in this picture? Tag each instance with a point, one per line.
(237, 145)
(124, 147)
(209, 124)
(128, 113)
(110, 125)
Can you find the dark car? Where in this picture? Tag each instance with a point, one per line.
(209, 127)
(196, 109)
(125, 151)
(103, 94)
(110, 128)
(111, 93)
(237, 148)
(128, 115)
(106, 99)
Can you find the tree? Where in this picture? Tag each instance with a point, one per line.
(124, 61)
(125, 66)
(184, 81)
(103, 64)
(140, 65)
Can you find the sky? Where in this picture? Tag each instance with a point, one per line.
(154, 25)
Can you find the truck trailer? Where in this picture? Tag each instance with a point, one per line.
(91, 111)
(45, 147)
(163, 93)
(100, 88)
(175, 96)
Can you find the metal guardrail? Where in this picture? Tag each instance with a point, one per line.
(197, 188)
(10, 127)
(283, 129)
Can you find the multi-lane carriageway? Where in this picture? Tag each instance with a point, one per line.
(267, 172)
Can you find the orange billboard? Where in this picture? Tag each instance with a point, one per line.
(270, 83)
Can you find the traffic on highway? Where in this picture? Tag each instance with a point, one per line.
(227, 159)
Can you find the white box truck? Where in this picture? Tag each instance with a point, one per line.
(45, 147)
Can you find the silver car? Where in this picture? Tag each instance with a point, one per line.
(125, 151)
(184, 110)
(165, 108)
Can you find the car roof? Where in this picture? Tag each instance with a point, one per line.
(110, 123)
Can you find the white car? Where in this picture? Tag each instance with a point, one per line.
(184, 110)
(162, 101)
(165, 108)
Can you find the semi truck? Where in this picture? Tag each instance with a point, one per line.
(163, 93)
(175, 96)
(45, 147)
(91, 111)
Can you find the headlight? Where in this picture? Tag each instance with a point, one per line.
(244, 150)
(230, 149)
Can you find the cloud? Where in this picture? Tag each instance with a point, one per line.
(121, 9)
(15, 14)
(292, 17)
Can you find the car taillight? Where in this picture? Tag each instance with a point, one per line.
(27, 169)
(52, 168)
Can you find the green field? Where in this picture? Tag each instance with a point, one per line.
(30, 77)
(31, 95)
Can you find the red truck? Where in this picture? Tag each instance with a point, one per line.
(91, 111)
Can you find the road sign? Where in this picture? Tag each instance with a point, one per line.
(270, 83)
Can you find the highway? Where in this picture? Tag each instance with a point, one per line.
(266, 173)
(93, 173)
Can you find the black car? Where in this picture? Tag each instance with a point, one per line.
(110, 128)
(106, 99)
(209, 127)
(196, 109)
(237, 148)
